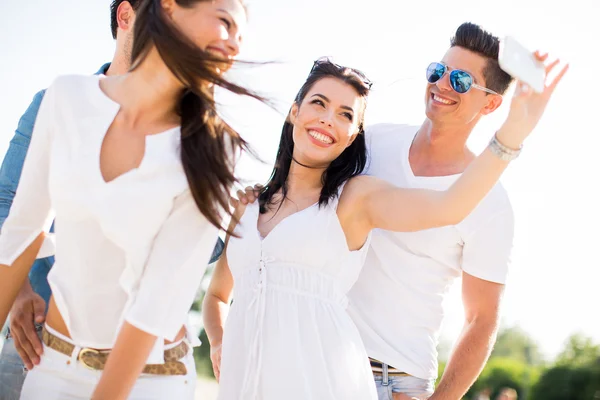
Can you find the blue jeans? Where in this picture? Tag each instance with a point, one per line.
(12, 372)
(409, 385)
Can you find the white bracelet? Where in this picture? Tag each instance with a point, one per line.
(503, 152)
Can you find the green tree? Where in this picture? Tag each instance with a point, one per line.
(566, 382)
(503, 372)
(576, 374)
(516, 344)
(579, 351)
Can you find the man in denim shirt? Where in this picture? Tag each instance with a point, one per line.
(22, 346)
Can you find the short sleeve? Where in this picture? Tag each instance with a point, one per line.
(31, 212)
(486, 251)
(173, 272)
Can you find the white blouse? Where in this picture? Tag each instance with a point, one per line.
(133, 249)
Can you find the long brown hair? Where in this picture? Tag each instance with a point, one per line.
(208, 144)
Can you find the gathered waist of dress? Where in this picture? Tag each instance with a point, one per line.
(291, 278)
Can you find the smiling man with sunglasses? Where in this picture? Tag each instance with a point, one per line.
(397, 301)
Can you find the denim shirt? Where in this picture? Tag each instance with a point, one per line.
(10, 173)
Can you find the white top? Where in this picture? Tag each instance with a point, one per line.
(288, 335)
(397, 301)
(132, 249)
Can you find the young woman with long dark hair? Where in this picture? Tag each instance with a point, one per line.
(137, 169)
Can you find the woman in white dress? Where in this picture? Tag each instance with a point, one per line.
(137, 169)
(300, 247)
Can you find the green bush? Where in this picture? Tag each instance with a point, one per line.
(568, 382)
(503, 372)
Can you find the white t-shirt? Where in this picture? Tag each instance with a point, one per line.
(397, 301)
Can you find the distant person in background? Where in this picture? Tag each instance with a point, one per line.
(507, 394)
(484, 394)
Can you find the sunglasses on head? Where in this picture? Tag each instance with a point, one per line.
(461, 81)
(360, 74)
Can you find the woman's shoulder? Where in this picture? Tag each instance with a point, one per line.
(360, 183)
(353, 190)
(362, 188)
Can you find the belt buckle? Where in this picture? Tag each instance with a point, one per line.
(85, 351)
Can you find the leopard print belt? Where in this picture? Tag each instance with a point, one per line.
(96, 359)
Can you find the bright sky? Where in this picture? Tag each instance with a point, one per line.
(554, 284)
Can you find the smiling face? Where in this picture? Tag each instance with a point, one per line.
(326, 122)
(214, 26)
(445, 106)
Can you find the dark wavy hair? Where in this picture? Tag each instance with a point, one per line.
(208, 144)
(350, 163)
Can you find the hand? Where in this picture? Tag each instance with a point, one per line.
(215, 358)
(527, 106)
(248, 196)
(27, 308)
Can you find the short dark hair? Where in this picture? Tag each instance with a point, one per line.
(472, 37)
(114, 6)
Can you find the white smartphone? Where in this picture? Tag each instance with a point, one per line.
(519, 62)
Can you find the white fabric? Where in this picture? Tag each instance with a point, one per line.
(61, 377)
(132, 249)
(397, 302)
(288, 335)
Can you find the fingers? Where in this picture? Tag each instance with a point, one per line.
(39, 309)
(26, 361)
(551, 66)
(216, 372)
(216, 364)
(32, 338)
(22, 328)
(540, 56)
(24, 348)
(248, 195)
(252, 193)
(558, 78)
(241, 195)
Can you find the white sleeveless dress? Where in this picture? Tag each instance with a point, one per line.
(288, 335)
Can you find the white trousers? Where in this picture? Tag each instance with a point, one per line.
(63, 377)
